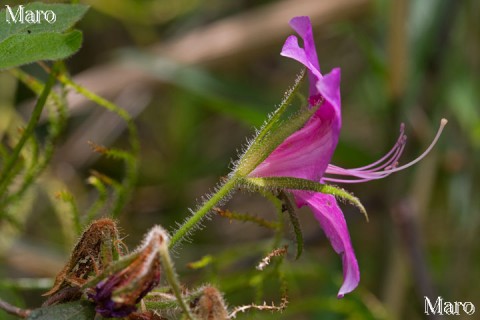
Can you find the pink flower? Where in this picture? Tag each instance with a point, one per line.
(307, 152)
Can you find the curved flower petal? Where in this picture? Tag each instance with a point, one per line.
(326, 87)
(303, 26)
(306, 56)
(329, 88)
(332, 221)
(292, 50)
(307, 152)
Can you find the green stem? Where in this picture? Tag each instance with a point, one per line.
(111, 269)
(203, 211)
(173, 280)
(101, 199)
(297, 229)
(69, 199)
(57, 121)
(279, 231)
(37, 111)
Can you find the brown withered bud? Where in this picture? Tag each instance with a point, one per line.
(117, 295)
(210, 305)
(98, 246)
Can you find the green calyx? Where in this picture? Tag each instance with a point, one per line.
(289, 183)
(274, 131)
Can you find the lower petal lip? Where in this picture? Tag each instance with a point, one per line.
(331, 219)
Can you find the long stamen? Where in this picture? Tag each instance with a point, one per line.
(387, 159)
(389, 162)
(400, 141)
(443, 123)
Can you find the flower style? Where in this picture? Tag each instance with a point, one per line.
(307, 152)
(117, 295)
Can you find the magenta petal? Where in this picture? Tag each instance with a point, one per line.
(329, 85)
(303, 27)
(307, 55)
(329, 88)
(306, 153)
(292, 50)
(332, 221)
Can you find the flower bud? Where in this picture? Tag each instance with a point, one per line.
(117, 295)
(210, 305)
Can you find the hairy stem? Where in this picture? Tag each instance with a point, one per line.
(172, 279)
(203, 211)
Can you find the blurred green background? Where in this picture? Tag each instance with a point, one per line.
(199, 75)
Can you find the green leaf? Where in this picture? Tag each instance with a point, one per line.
(78, 310)
(23, 49)
(288, 183)
(22, 42)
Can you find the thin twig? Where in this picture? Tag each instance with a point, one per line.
(275, 253)
(16, 311)
(246, 217)
(263, 307)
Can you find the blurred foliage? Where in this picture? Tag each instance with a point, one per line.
(200, 115)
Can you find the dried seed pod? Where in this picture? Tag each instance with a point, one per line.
(98, 246)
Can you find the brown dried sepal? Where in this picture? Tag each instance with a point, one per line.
(96, 249)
